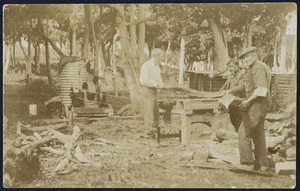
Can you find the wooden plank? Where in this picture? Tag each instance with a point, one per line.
(285, 168)
(241, 169)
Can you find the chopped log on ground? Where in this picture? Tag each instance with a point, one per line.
(26, 149)
(222, 135)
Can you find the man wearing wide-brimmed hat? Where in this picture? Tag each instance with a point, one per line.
(256, 106)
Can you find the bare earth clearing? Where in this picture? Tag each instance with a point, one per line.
(128, 160)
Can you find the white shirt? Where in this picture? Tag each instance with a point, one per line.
(150, 75)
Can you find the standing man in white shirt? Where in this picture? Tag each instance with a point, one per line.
(151, 80)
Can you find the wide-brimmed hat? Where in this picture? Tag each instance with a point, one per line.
(247, 51)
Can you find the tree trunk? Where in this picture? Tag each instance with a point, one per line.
(74, 48)
(61, 42)
(249, 31)
(7, 59)
(141, 33)
(71, 42)
(130, 73)
(38, 64)
(133, 38)
(99, 62)
(181, 63)
(22, 48)
(28, 62)
(86, 38)
(105, 56)
(14, 55)
(36, 58)
(135, 96)
(50, 80)
(153, 46)
(114, 63)
(220, 49)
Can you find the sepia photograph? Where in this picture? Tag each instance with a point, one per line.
(157, 95)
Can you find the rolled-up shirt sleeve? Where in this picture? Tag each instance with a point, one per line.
(261, 83)
(145, 78)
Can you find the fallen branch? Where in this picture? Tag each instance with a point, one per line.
(204, 166)
(60, 136)
(52, 150)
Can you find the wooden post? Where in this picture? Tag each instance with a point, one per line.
(114, 65)
(166, 60)
(181, 63)
(28, 62)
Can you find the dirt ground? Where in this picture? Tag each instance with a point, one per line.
(127, 159)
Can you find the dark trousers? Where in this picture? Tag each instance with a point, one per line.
(236, 116)
(252, 127)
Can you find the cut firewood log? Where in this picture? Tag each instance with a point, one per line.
(7, 180)
(76, 133)
(226, 135)
(61, 165)
(19, 130)
(291, 154)
(81, 158)
(70, 167)
(38, 136)
(52, 150)
(273, 141)
(60, 136)
(65, 138)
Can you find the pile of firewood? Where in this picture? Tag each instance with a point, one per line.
(284, 135)
(283, 143)
(22, 156)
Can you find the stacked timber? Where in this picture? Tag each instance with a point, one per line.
(281, 140)
(282, 90)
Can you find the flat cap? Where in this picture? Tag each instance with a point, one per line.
(247, 51)
(156, 52)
